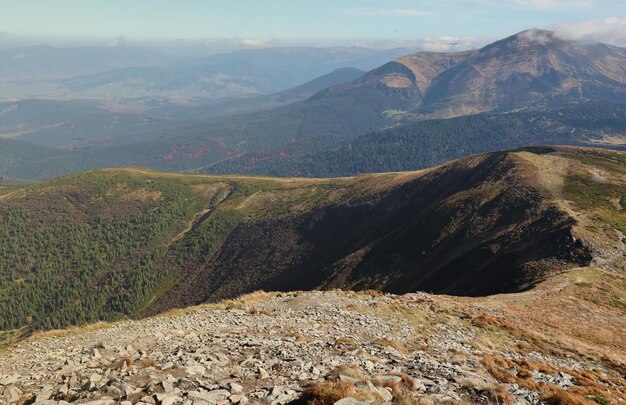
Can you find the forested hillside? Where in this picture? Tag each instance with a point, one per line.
(424, 144)
(112, 243)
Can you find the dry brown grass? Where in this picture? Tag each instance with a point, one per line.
(372, 293)
(405, 398)
(349, 370)
(233, 305)
(66, 332)
(487, 321)
(298, 336)
(402, 390)
(329, 392)
(120, 363)
(498, 367)
(386, 342)
(587, 383)
(477, 384)
(559, 396)
(256, 311)
(257, 296)
(498, 393)
(145, 363)
(345, 341)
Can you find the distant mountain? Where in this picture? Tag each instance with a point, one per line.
(111, 243)
(205, 109)
(36, 63)
(77, 124)
(530, 68)
(527, 69)
(399, 84)
(241, 73)
(334, 78)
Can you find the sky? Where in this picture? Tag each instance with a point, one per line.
(252, 23)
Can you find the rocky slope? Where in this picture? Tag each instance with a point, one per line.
(536, 347)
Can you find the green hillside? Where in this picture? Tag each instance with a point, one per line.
(112, 243)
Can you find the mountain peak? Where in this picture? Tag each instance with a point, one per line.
(532, 37)
(535, 35)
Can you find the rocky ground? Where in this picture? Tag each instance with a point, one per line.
(313, 347)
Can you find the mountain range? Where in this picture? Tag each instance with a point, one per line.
(125, 72)
(410, 113)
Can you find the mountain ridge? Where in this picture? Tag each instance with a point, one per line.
(143, 242)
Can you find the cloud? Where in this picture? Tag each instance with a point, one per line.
(538, 35)
(116, 42)
(553, 4)
(449, 43)
(445, 43)
(256, 42)
(238, 43)
(610, 30)
(387, 12)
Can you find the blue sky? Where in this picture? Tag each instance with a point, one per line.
(262, 22)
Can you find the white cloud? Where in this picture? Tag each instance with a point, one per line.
(554, 4)
(229, 44)
(610, 30)
(256, 42)
(116, 42)
(449, 43)
(387, 12)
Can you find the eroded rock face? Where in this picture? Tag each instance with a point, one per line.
(270, 349)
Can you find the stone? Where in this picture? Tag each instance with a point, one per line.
(385, 394)
(195, 370)
(95, 378)
(235, 388)
(167, 386)
(343, 377)
(263, 374)
(351, 401)
(168, 399)
(393, 379)
(44, 394)
(105, 401)
(211, 397)
(114, 392)
(238, 399)
(12, 394)
(10, 379)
